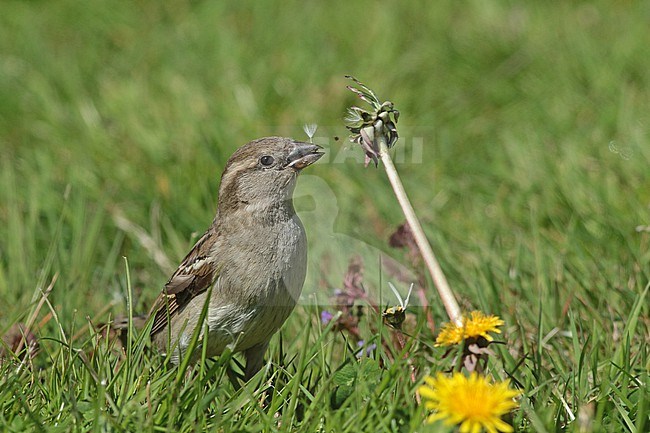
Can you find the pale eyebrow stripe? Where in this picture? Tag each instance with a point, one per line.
(234, 170)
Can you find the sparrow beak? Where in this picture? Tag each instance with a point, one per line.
(304, 154)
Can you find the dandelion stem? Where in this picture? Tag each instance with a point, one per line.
(446, 295)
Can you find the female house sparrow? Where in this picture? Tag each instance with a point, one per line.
(253, 255)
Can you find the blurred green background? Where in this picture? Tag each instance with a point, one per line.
(532, 118)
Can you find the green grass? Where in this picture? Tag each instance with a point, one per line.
(533, 188)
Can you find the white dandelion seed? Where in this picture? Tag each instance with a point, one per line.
(403, 303)
(625, 152)
(310, 130)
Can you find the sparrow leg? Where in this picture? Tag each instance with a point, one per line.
(254, 359)
(233, 377)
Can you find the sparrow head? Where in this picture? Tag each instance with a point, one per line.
(263, 173)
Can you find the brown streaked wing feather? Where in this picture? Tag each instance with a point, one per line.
(194, 275)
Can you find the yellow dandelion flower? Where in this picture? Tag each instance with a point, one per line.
(477, 325)
(472, 402)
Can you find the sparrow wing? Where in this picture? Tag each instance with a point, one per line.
(194, 276)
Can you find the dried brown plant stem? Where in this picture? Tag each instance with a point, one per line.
(32, 318)
(439, 279)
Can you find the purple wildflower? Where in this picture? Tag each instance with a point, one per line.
(368, 350)
(325, 317)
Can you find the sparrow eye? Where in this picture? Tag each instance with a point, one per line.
(267, 160)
